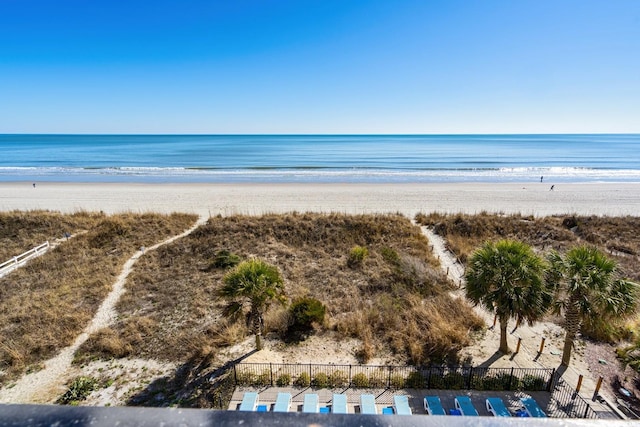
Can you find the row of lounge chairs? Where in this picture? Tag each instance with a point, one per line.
(311, 404)
(494, 405)
(432, 405)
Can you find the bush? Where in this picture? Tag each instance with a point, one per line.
(303, 313)
(391, 256)
(533, 383)
(263, 379)
(283, 380)
(338, 379)
(245, 378)
(378, 379)
(303, 380)
(416, 380)
(357, 255)
(396, 381)
(492, 383)
(436, 381)
(360, 380)
(320, 380)
(78, 390)
(510, 382)
(225, 259)
(453, 381)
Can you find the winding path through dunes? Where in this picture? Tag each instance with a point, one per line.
(45, 385)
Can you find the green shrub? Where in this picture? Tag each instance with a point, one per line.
(416, 380)
(390, 255)
(245, 378)
(338, 379)
(320, 380)
(477, 382)
(360, 380)
(378, 379)
(225, 259)
(453, 381)
(509, 382)
(357, 255)
(492, 383)
(283, 380)
(533, 383)
(79, 389)
(436, 381)
(303, 380)
(263, 379)
(303, 313)
(396, 381)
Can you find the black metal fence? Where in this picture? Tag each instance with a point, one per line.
(567, 403)
(393, 377)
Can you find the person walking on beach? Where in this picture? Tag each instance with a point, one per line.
(541, 178)
(551, 189)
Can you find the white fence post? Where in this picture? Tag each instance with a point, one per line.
(15, 262)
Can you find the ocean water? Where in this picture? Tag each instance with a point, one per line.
(320, 158)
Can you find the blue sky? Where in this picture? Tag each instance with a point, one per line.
(298, 66)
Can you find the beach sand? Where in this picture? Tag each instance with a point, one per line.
(610, 199)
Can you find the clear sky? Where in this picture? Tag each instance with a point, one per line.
(325, 66)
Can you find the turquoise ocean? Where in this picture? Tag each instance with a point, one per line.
(320, 158)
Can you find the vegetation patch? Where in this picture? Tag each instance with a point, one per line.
(397, 300)
(48, 302)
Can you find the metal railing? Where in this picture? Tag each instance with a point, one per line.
(393, 377)
(565, 402)
(15, 262)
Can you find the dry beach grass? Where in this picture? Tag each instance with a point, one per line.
(47, 303)
(168, 311)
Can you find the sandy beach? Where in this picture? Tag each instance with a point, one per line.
(610, 199)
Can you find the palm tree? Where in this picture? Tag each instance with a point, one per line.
(587, 286)
(254, 283)
(507, 278)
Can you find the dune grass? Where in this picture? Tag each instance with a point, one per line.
(46, 304)
(24, 230)
(618, 237)
(394, 299)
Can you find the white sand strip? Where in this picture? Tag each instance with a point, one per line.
(255, 199)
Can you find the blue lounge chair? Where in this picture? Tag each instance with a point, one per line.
(464, 405)
(387, 410)
(324, 410)
(368, 404)
(249, 401)
(401, 405)
(433, 406)
(311, 404)
(283, 402)
(262, 408)
(532, 408)
(339, 404)
(496, 406)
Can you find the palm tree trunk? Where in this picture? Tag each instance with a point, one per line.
(504, 345)
(572, 325)
(257, 326)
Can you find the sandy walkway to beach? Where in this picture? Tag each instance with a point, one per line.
(46, 384)
(409, 199)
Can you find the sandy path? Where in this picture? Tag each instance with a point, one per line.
(484, 350)
(47, 384)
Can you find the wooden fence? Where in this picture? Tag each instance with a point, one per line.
(17, 261)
